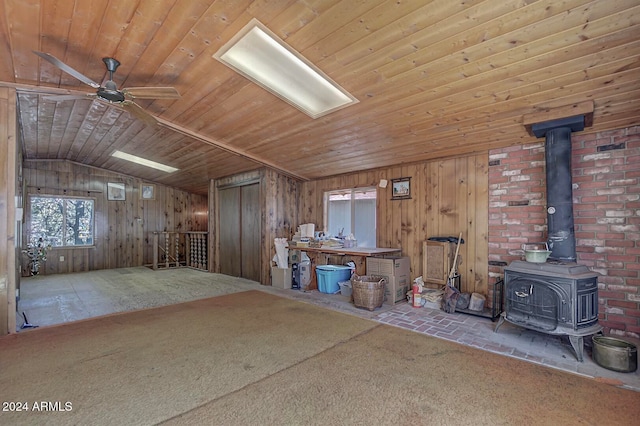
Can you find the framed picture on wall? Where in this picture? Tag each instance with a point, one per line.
(115, 191)
(401, 188)
(147, 191)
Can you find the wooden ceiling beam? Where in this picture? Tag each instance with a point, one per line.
(228, 148)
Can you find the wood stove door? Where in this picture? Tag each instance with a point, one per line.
(532, 303)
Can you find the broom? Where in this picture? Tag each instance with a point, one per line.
(451, 293)
(454, 267)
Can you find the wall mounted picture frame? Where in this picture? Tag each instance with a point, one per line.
(115, 191)
(147, 191)
(401, 188)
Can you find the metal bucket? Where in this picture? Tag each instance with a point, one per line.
(533, 253)
(615, 354)
(536, 256)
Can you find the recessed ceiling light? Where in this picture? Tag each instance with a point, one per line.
(262, 57)
(143, 161)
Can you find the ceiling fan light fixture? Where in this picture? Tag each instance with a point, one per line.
(262, 57)
(143, 161)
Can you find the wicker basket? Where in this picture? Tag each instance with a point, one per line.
(368, 291)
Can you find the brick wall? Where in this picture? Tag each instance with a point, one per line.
(606, 194)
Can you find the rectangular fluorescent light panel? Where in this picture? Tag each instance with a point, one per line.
(143, 161)
(262, 57)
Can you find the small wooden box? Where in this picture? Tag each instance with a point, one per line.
(437, 258)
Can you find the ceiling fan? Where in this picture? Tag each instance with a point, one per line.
(109, 92)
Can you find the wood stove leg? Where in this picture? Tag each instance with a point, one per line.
(578, 345)
(500, 321)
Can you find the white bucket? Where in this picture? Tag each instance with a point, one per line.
(345, 288)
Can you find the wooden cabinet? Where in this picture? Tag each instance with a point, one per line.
(437, 258)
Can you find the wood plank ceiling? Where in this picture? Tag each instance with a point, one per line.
(434, 79)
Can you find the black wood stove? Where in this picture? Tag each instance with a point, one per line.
(559, 296)
(554, 298)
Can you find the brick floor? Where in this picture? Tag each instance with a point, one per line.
(511, 340)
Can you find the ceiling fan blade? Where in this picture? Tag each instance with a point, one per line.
(68, 97)
(139, 113)
(151, 92)
(66, 68)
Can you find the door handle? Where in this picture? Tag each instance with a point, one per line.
(523, 294)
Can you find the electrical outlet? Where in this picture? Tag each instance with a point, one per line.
(61, 258)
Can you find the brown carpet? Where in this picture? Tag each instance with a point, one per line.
(254, 358)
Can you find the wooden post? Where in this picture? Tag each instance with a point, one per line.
(177, 249)
(187, 249)
(166, 249)
(155, 250)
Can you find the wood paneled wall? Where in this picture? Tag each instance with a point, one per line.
(280, 214)
(447, 197)
(278, 204)
(123, 233)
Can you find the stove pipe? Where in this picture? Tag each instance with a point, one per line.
(560, 225)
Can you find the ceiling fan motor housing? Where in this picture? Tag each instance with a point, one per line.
(110, 92)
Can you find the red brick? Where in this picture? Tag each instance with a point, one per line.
(590, 213)
(590, 255)
(618, 258)
(622, 273)
(612, 325)
(621, 319)
(623, 304)
(584, 206)
(605, 294)
(584, 249)
(632, 313)
(610, 235)
(584, 221)
(619, 243)
(611, 176)
(593, 184)
(585, 235)
(633, 159)
(579, 179)
(596, 199)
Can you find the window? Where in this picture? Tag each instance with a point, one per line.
(352, 211)
(62, 221)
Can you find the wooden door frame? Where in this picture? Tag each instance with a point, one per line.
(215, 186)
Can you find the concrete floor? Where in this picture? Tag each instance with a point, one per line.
(56, 299)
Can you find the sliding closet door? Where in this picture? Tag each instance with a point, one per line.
(230, 253)
(240, 231)
(250, 234)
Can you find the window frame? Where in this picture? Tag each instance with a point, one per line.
(30, 237)
(327, 194)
